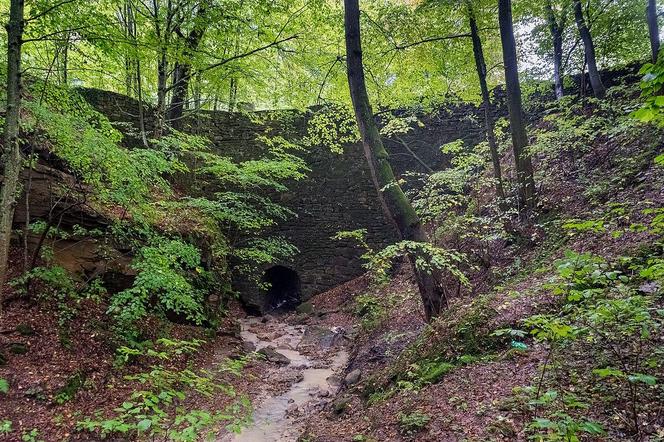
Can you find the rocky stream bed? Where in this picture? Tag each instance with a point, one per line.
(308, 359)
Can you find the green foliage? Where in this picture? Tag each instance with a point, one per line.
(165, 269)
(413, 423)
(333, 126)
(563, 427)
(651, 87)
(159, 410)
(161, 349)
(89, 145)
(5, 426)
(605, 336)
(427, 258)
(31, 436)
(4, 386)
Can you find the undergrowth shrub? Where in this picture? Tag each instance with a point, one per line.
(602, 348)
(160, 411)
(163, 284)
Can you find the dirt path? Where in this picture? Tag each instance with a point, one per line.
(307, 359)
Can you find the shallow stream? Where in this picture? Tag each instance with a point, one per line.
(273, 419)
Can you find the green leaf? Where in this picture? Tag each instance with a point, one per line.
(608, 372)
(591, 427)
(4, 386)
(144, 425)
(640, 377)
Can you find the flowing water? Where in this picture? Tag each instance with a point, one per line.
(271, 419)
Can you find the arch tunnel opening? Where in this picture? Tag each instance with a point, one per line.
(285, 291)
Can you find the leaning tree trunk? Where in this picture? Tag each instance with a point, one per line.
(394, 201)
(524, 167)
(589, 49)
(480, 65)
(556, 30)
(11, 159)
(653, 28)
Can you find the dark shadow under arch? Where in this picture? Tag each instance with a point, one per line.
(284, 291)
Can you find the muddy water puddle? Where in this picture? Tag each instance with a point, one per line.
(273, 417)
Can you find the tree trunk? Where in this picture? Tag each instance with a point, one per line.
(589, 49)
(556, 30)
(183, 69)
(394, 201)
(524, 167)
(480, 65)
(11, 160)
(160, 111)
(653, 28)
(232, 94)
(141, 111)
(181, 77)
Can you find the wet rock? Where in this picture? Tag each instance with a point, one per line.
(340, 405)
(18, 348)
(248, 347)
(272, 355)
(333, 380)
(322, 337)
(292, 408)
(25, 330)
(352, 333)
(305, 308)
(353, 377)
(324, 393)
(299, 378)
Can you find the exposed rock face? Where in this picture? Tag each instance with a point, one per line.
(82, 256)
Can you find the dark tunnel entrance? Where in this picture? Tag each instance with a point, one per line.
(284, 292)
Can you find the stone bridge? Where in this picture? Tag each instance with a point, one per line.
(338, 194)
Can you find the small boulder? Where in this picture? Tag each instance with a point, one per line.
(272, 355)
(306, 308)
(353, 377)
(340, 405)
(333, 380)
(248, 347)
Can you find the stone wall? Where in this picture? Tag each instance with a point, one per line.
(338, 193)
